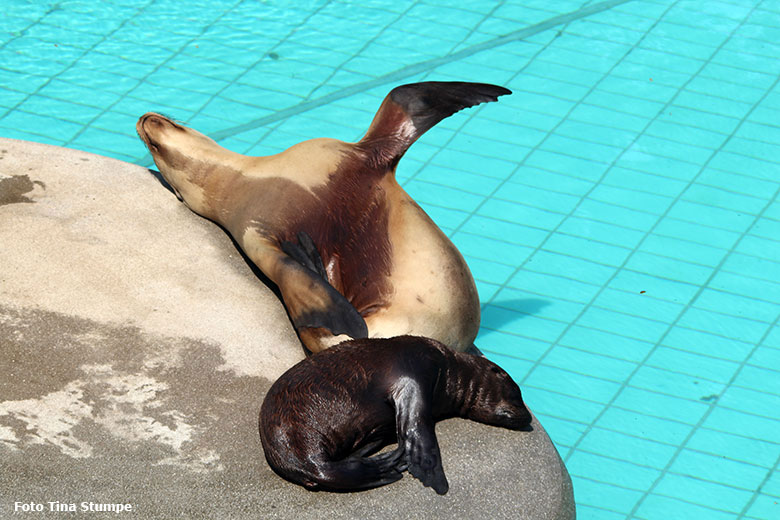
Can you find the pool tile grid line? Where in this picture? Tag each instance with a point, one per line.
(690, 183)
(650, 469)
(659, 198)
(645, 382)
(135, 79)
(401, 15)
(488, 117)
(408, 71)
(627, 315)
(702, 169)
(654, 203)
(582, 13)
(759, 490)
(366, 45)
(463, 121)
(273, 125)
(84, 53)
(417, 68)
(682, 191)
(472, 115)
(237, 79)
(339, 67)
(753, 296)
(32, 24)
(494, 195)
(713, 404)
(160, 65)
(109, 105)
(668, 439)
(639, 503)
(521, 164)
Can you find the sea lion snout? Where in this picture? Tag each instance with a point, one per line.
(511, 411)
(150, 126)
(182, 156)
(497, 399)
(165, 137)
(143, 132)
(513, 415)
(506, 408)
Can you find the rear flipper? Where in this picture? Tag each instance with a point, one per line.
(354, 473)
(410, 110)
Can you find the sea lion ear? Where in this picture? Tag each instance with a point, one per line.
(410, 110)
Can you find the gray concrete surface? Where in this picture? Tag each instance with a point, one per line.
(136, 345)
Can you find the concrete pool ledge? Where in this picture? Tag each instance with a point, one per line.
(137, 345)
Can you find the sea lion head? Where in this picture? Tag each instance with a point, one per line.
(194, 165)
(497, 399)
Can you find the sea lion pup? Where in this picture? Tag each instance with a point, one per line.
(322, 419)
(352, 254)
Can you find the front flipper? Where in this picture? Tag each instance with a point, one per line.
(306, 254)
(313, 304)
(416, 434)
(410, 110)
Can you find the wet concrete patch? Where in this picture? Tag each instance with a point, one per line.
(13, 189)
(97, 412)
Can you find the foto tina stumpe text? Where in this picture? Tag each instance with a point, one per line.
(70, 507)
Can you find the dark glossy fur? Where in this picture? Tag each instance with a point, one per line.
(322, 419)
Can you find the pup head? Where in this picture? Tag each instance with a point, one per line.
(498, 401)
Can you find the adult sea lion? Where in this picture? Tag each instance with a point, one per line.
(323, 418)
(352, 254)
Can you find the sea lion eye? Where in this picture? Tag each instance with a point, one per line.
(503, 412)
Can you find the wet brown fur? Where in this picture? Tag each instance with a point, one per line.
(352, 235)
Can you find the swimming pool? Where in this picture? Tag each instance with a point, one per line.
(619, 211)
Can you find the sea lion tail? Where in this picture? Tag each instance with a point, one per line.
(410, 110)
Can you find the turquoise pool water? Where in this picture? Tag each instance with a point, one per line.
(619, 211)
